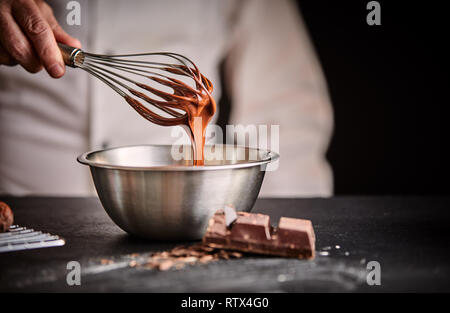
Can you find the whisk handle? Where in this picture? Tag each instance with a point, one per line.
(71, 55)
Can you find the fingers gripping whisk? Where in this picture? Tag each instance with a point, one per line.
(170, 82)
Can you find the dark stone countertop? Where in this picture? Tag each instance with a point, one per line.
(408, 236)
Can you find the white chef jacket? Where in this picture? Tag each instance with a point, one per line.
(271, 68)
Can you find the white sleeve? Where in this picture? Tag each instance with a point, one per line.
(274, 78)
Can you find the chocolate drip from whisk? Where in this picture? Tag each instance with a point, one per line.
(188, 105)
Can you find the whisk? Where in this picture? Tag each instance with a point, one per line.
(123, 73)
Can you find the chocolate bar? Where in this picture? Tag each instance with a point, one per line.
(253, 233)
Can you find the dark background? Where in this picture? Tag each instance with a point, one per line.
(389, 88)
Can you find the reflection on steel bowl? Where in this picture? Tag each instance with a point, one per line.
(149, 194)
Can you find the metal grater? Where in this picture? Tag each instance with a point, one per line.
(22, 238)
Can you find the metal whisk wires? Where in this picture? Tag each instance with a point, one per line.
(177, 82)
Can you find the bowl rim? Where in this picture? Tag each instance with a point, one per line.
(270, 156)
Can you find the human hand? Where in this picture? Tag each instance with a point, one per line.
(29, 34)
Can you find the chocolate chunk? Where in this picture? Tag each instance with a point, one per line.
(217, 228)
(206, 258)
(251, 227)
(180, 256)
(6, 217)
(235, 254)
(297, 234)
(253, 233)
(165, 265)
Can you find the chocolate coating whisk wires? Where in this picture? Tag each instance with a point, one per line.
(170, 82)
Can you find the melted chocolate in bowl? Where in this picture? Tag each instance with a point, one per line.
(197, 103)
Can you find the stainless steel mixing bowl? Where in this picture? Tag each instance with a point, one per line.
(149, 194)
